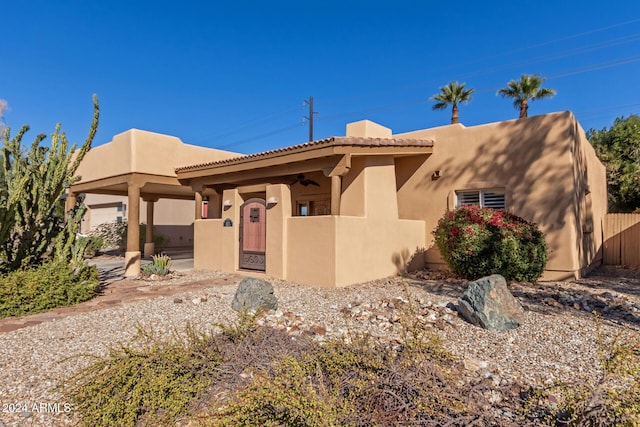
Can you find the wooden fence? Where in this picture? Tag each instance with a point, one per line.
(622, 240)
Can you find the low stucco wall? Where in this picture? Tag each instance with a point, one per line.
(213, 247)
(311, 249)
(340, 251)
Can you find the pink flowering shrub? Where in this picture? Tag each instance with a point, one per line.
(477, 242)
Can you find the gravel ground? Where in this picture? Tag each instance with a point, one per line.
(555, 342)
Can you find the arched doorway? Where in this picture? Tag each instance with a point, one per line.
(253, 234)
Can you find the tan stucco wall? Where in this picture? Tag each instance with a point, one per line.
(370, 249)
(592, 200)
(138, 151)
(278, 214)
(532, 158)
(311, 248)
(366, 242)
(353, 202)
(339, 251)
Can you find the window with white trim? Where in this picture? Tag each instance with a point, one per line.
(493, 198)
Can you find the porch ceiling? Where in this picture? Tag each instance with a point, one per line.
(151, 186)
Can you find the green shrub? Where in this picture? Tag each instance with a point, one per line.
(476, 242)
(147, 382)
(53, 284)
(92, 245)
(160, 265)
(287, 398)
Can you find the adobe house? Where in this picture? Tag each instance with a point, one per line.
(140, 166)
(344, 210)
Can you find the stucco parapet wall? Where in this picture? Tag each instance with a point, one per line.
(143, 152)
(337, 142)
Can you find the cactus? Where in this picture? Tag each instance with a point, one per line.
(33, 226)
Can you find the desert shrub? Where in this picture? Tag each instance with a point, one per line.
(614, 400)
(250, 374)
(160, 265)
(92, 245)
(53, 284)
(347, 383)
(241, 328)
(150, 381)
(114, 236)
(476, 242)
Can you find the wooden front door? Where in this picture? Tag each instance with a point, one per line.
(253, 234)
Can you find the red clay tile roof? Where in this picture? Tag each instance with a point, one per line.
(321, 143)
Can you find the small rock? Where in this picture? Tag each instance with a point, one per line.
(254, 295)
(319, 330)
(474, 364)
(451, 306)
(177, 300)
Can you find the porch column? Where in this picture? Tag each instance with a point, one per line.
(69, 203)
(132, 256)
(149, 245)
(336, 192)
(198, 204)
(278, 213)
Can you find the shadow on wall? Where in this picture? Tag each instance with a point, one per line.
(406, 261)
(530, 157)
(177, 236)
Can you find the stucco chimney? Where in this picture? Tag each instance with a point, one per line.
(368, 129)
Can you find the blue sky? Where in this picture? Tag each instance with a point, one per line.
(234, 74)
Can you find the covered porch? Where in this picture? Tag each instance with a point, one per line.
(323, 213)
(139, 165)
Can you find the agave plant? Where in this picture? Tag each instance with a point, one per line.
(160, 265)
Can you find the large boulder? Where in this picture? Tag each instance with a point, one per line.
(489, 304)
(254, 295)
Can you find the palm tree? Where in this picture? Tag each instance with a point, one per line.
(525, 90)
(454, 93)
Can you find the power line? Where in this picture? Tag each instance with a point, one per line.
(263, 135)
(553, 41)
(513, 64)
(599, 66)
(247, 124)
(545, 58)
(589, 68)
(395, 106)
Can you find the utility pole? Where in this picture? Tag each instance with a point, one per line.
(310, 117)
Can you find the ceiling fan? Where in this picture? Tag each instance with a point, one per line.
(304, 182)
